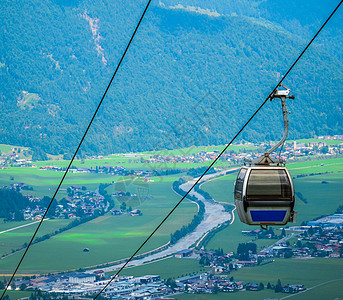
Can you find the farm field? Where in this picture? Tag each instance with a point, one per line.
(7, 225)
(15, 239)
(14, 295)
(334, 165)
(108, 237)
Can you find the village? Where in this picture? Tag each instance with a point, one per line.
(80, 203)
(146, 287)
(322, 237)
(319, 238)
(291, 151)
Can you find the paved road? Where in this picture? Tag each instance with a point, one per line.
(21, 226)
(284, 239)
(311, 288)
(215, 215)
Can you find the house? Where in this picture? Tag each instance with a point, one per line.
(80, 277)
(135, 212)
(116, 212)
(184, 253)
(99, 273)
(245, 263)
(252, 286)
(292, 288)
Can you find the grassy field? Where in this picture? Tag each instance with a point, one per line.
(6, 148)
(7, 225)
(15, 239)
(318, 166)
(14, 295)
(108, 237)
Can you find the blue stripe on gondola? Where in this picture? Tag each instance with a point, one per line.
(268, 215)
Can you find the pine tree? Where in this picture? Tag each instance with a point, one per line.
(278, 287)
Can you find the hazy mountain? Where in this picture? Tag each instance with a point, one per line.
(56, 58)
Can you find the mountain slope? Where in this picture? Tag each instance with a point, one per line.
(58, 57)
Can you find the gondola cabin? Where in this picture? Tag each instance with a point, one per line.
(264, 195)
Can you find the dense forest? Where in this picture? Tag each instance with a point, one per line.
(191, 77)
(12, 204)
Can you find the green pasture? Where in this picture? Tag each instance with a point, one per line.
(166, 268)
(108, 237)
(14, 295)
(323, 199)
(15, 239)
(7, 225)
(334, 165)
(7, 148)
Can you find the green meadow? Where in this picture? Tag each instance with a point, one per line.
(15, 239)
(6, 148)
(14, 295)
(108, 237)
(334, 165)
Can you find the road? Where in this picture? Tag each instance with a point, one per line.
(21, 226)
(215, 215)
(311, 288)
(284, 239)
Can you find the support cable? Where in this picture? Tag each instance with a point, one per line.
(221, 153)
(77, 149)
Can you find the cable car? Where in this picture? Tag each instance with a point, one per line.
(264, 192)
(264, 195)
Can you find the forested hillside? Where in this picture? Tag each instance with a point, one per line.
(191, 77)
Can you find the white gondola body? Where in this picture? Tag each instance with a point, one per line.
(264, 195)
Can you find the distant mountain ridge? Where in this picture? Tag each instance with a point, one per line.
(189, 78)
